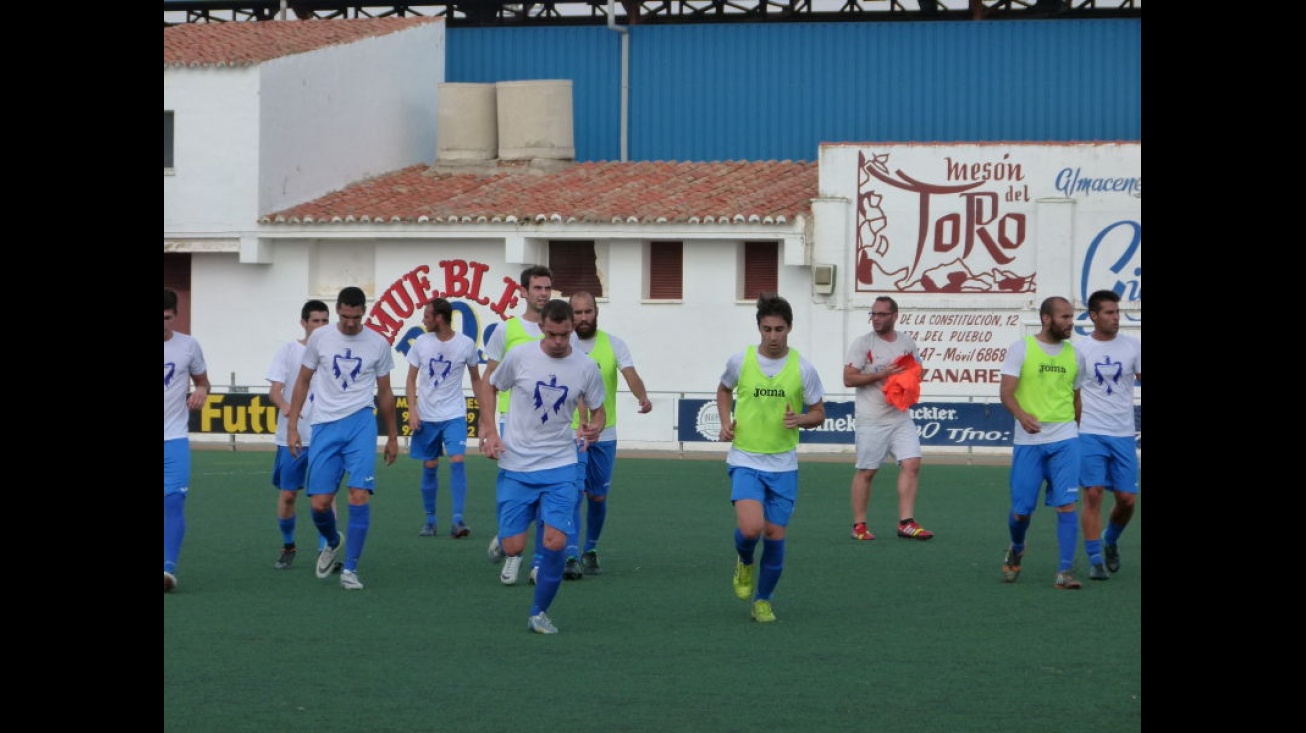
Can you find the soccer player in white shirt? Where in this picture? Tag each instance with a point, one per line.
(1111, 363)
(350, 362)
(437, 410)
(183, 363)
(288, 472)
(537, 453)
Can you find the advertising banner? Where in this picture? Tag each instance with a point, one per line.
(254, 414)
(968, 225)
(952, 424)
(939, 424)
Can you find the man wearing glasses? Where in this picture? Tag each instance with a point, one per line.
(883, 429)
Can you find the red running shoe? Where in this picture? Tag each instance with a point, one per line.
(860, 532)
(913, 531)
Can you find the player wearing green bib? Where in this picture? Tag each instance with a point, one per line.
(613, 357)
(775, 392)
(1040, 387)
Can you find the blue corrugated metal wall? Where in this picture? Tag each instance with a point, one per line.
(758, 91)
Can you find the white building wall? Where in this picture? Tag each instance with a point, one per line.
(241, 314)
(346, 113)
(212, 187)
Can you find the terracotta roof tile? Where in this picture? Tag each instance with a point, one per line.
(765, 192)
(245, 44)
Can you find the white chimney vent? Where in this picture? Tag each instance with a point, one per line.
(467, 126)
(535, 120)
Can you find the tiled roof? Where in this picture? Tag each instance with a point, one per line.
(245, 44)
(764, 192)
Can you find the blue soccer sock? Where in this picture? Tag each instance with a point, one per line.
(745, 547)
(538, 557)
(773, 564)
(430, 488)
(326, 525)
(174, 529)
(547, 580)
(1018, 528)
(458, 488)
(287, 530)
(360, 518)
(595, 513)
(573, 537)
(1067, 539)
(1093, 548)
(1112, 534)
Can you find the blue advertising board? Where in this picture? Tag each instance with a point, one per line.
(953, 424)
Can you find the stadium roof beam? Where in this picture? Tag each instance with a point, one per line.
(593, 12)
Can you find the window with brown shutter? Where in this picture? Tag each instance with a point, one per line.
(761, 268)
(666, 270)
(575, 268)
(167, 140)
(176, 275)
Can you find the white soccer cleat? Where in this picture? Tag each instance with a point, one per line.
(540, 624)
(511, 565)
(326, 559)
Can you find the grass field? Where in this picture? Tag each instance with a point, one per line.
(891, 634)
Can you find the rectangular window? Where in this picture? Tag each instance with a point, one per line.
(761, 268)
(575, 268)
(176, 275)
(666, 268)
(167, 140)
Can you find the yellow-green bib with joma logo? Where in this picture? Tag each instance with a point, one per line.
(760, 403)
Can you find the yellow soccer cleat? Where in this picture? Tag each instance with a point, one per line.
(743, 580)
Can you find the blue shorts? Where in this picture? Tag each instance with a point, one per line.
(288, 471)
(777, 491)
(1110, 461)
(435, 439)
(550, 494)
(347, 445)
(176, 466)
(1056, 463)
(596, 463)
